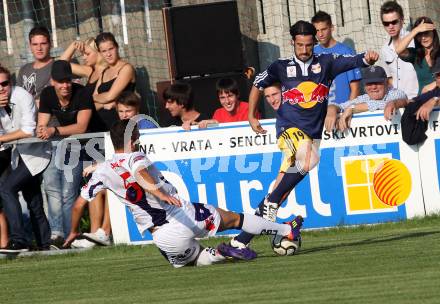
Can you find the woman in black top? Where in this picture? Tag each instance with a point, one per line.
(92, 69)
(94, 63)
(119, 76)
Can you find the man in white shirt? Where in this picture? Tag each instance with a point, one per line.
(18, 120)
(403, 75)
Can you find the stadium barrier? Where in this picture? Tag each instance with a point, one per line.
(231, 167)
(91, 146)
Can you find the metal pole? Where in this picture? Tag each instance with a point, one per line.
(28, 24)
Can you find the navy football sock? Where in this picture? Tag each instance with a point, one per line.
(288, 182)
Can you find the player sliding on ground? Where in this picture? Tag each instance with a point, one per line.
(156, 207)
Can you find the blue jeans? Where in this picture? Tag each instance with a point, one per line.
(20, 179)
(62, 179)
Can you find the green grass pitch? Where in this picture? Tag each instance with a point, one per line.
(386, 263)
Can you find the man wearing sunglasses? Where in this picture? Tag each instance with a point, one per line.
(403, 75)
(21, 171)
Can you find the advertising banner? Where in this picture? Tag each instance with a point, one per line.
(363, 175)
(429, 156)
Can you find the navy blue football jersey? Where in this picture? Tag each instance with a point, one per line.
(305, 95)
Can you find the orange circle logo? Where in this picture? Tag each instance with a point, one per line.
(392, 182)
(307, 87)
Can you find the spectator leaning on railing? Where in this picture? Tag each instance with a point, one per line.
(427, 101)
(379, 96)
(178, 100)
(72, 106)
(17, 120)
(232, 109)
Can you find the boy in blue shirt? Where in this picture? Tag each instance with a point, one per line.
(346, 86)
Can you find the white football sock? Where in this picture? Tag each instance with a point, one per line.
(254, 224)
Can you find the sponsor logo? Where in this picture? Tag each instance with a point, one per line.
(307, 94)
(374, 183)
(316, 68)
(269, 232)
(291, 71)
(392, 182)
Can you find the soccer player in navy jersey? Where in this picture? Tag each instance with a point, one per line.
(305, 80)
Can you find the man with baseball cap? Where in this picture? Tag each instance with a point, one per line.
(72, 107)
(305, 80)
(379, 96)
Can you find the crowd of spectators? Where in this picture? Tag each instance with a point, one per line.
(49, 103)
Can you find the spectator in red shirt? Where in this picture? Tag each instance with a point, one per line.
(232, 109)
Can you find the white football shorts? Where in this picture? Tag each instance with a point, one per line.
(176, 239)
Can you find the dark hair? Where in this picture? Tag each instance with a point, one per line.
(130, 99)
(322, 16)
(39, 31)
(117, 133)
(180, 92)
(391, 7)
(302, 28)
(420, 50)
(275, 84)
(4, 70)
(227, 85)
(105, 36)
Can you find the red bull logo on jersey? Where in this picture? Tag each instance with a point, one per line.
(307, 94)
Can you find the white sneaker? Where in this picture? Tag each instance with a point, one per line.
(82, 243)
(237, 244)
(98, 237)
(268, 210)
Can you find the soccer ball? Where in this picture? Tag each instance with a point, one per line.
(281, 245)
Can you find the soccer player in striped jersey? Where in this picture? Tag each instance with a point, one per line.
(157, 207)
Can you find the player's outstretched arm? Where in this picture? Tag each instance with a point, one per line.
(254, 97)
(148, 184)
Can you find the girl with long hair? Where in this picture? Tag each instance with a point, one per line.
(425, 52)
